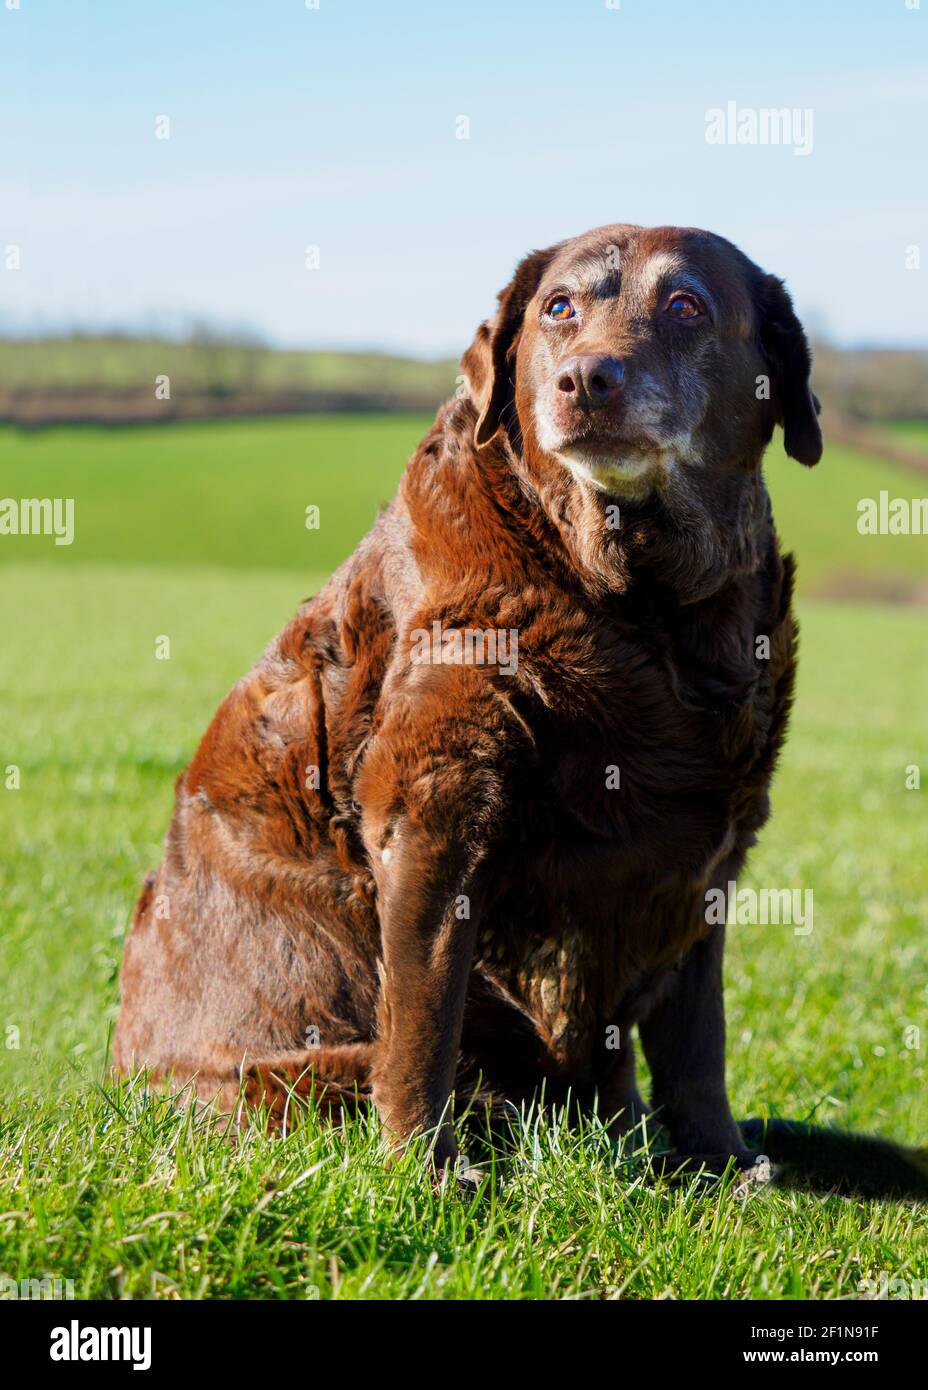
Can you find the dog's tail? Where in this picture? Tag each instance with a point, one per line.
(333, 1079)
(860, 1165)
(330, 1080)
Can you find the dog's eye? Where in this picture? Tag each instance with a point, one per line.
(685, 306)
(561, 309)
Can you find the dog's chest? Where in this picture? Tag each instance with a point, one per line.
(548, 978)
(618, 827)
(634, 777)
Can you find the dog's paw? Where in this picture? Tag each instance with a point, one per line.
(747, 1171)
(458, 1176)
(460, 1179)
(470, 1180)
(754, 1173)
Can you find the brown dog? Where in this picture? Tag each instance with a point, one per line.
(462, 818)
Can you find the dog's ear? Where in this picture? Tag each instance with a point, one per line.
(784, 345)
(489, 362)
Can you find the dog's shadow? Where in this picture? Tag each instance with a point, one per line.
(802, 1157)
(808, 1158)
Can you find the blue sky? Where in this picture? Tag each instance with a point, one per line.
(335, 127)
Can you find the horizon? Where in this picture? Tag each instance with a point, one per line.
(218, 338)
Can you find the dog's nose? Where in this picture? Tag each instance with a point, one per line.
(591, 380)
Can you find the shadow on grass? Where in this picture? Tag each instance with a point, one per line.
(808, 1158)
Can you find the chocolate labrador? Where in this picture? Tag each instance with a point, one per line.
(460, 823)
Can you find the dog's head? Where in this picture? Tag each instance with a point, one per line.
(644, 360)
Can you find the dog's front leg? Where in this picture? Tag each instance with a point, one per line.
(684, 1042)
(428, 924)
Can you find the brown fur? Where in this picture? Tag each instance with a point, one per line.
(523, 907)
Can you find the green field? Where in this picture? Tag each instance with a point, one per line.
(235, 494)
(197, 532)
(912, 432)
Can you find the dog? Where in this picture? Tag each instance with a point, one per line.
(458, 826)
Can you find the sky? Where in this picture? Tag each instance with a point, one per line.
(335, 125)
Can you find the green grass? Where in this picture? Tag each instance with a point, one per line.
(912, 432)
(235, 494)
(126, 1195)
(211, 493)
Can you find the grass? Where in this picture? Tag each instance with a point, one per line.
(210, 493)
(913, 432)
(235, 494)
(126, 1195)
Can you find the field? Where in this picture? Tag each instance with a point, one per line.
(111, 379)
(202, 365)
(913, 432)
(197, 532)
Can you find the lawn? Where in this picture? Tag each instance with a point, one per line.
(196, 532)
